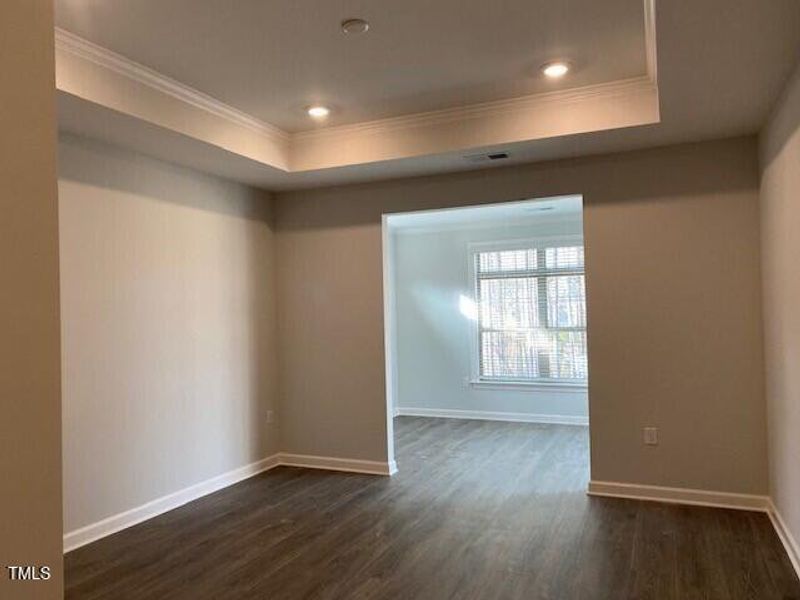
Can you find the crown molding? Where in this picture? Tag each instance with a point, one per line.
(103, 57)
(621, 103)
(483, 110)
(98, 55)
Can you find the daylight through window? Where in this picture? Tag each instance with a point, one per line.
(531, 314)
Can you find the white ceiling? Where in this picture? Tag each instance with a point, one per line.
(272, 58)
(524, 212)
(721, 66)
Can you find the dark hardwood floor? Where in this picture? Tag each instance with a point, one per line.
(479, 510)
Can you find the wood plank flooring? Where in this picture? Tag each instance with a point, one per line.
(479, 510)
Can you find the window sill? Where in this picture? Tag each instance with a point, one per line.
(529, 386)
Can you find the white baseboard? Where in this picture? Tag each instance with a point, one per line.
(85, 535)
(786, 537)
(95, 531)
(482, 415)
(673, 495)
(350, 465)
(704, 498)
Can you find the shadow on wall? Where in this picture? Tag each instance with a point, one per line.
(784, 124)
(169, 328)
(614, 178)
(262, 338)
(134, 173)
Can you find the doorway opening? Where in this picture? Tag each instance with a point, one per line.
(486, 326)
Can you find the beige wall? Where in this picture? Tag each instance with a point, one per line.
(780, 214)
(30, 421)
(674, 308)
(168, 328)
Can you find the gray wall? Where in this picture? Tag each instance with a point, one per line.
(673, 288)
(168, 328)
(30, 440)
(435, 341)
(780, 213)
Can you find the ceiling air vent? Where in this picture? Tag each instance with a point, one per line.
(487, 157)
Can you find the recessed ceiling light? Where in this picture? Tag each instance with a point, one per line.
(318, 111)
(354, 26)
(554, 70)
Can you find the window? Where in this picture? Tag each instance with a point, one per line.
(531, 314)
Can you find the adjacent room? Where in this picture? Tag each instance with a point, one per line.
(420, 300)
(487, 312)
(486, 321)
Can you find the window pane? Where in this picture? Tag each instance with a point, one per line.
(568, 358)
(564, 257)
(532, 325)
(566, 301)
(507, 260)
(509, 355)
(509, 303)
(542, 353)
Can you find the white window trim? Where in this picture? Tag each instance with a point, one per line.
(529, 386)
(475, 379)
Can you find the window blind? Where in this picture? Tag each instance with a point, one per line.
(532, 314)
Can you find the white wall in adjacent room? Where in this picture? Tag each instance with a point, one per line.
(435, 339)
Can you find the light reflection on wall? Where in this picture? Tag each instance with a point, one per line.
(468, 307)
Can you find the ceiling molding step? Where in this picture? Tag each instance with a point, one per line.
(83, 48)
(107, 81)
(104, 78)
(486, 109)
(612, 105)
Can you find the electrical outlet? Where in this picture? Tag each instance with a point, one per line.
(269, 416)
(651, 436)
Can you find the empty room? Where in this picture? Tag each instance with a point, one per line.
(400, 300)
(486, 337)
